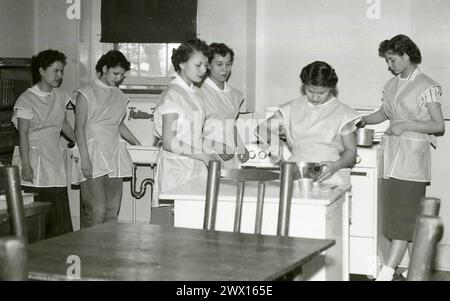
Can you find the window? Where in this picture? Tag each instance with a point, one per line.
(150, 62)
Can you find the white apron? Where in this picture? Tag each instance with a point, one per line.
(107, 150)
(221, 108)
(314, 132)
(47, 158)
(172, 169)
(407, 157)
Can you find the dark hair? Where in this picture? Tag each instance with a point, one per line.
(185, 50)
(111, 59)
(319, 74)
(400, 45)
(220, 49)
(45, 59)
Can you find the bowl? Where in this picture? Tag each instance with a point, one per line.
(310, 170)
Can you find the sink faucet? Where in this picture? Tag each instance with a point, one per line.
(139, 114)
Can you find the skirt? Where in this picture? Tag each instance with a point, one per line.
(58, 221)
(401, 202)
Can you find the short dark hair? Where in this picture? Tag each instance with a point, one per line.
(220, 49)
(45, 59)
(111, 59)
(185, 51)
(319, 74)
(401, 44)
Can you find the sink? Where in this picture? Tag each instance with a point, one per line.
(143, 154)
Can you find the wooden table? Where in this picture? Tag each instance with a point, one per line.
(116, 251)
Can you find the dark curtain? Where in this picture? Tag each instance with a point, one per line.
(148, 21)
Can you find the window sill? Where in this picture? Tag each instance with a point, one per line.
(142, 89)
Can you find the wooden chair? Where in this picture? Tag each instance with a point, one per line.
(429, 206)
(428, 233)
(13, 258)
(14, 201)
(241, 176)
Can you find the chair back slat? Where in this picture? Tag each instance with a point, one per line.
(259, 207)
(212, 193)
(239, 204)
(286, 186)
(430, 206)
(16, 211)
(428, 233)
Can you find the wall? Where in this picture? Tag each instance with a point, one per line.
(16, 38)
(431, 28)
(291, 34)
(54, 30)
(230, 22)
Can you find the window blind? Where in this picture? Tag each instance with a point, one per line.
(148, 21)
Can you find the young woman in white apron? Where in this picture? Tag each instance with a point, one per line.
(40, 116)
(101, 159)
(411, 103)
(222, 104)
(318, 127)
(179, 119)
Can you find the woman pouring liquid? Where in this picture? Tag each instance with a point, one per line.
(318, 127)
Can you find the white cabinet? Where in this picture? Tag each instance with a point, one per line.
(367, 243)
(363, 202)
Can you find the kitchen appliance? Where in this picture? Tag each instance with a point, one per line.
(262, 155)
(364, 137)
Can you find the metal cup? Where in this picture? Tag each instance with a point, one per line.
(305, 184)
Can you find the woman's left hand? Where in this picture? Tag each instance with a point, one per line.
(397, 129)
(329, 170)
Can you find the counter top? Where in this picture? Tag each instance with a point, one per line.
(196, 190)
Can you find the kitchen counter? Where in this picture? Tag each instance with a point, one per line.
(322, 213)
(195, 190)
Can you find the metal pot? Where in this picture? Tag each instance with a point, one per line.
(364, 137)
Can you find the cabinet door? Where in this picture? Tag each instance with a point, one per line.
(363, 202)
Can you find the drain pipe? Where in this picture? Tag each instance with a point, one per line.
(143, 187)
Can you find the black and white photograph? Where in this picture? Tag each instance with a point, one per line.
(222, 145)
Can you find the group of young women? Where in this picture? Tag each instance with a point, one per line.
(100, 158)
(195, 122)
